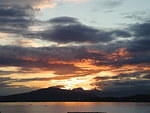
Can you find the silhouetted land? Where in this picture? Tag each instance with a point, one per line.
(54, 94)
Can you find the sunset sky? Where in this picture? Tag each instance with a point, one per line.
(102, 44)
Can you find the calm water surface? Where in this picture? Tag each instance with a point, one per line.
(64, 107)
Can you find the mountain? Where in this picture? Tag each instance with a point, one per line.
(54, 94)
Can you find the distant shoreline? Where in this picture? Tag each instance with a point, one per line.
(76, 101)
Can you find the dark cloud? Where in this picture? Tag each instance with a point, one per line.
(5, 79)
(6, 72)
(75, 33)
(15, 12)
(22, 71)
(63, 30)
(48, 53)
(64, 20)
(69, 30)
(15, 19)
(139, 45)
(142, 38)
(141, 30)
(126, 76)
(120, 33)
(21, 3)
(147, 76)
(33, 79)
(138, 75)
(102, 78)
(25, 64)
(9, 89)
(6, 88)
(125, 87)
(136, 60)
(42, 58)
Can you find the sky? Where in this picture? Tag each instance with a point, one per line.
(92, 44)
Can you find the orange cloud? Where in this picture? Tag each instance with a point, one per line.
(121, 53)
(76, 72)
(45, 4)
(53, 3)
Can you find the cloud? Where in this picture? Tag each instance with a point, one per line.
(139, 45)
(7, 89)
(114, 48)
(70, 30)
(15, 19)
(75, 33)
(6, 72)
(60, 69)
(28, 58)
(64, 20)
(49, 53)
(135, 42)
(107, 5)
(120, 33)
(147, 76)
(140, 16)
(126, 76)
(112, 3)
(125, 87)
(34, 3)
(141, 30)
(62, 29)
(24, 3)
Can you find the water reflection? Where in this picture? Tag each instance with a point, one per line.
(64, 107)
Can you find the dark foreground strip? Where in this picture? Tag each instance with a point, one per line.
(86, 112)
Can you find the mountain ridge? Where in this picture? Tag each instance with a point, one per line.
(54, 94)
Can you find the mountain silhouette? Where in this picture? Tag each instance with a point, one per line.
(54, 94)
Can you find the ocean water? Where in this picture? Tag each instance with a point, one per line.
(64, 107)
